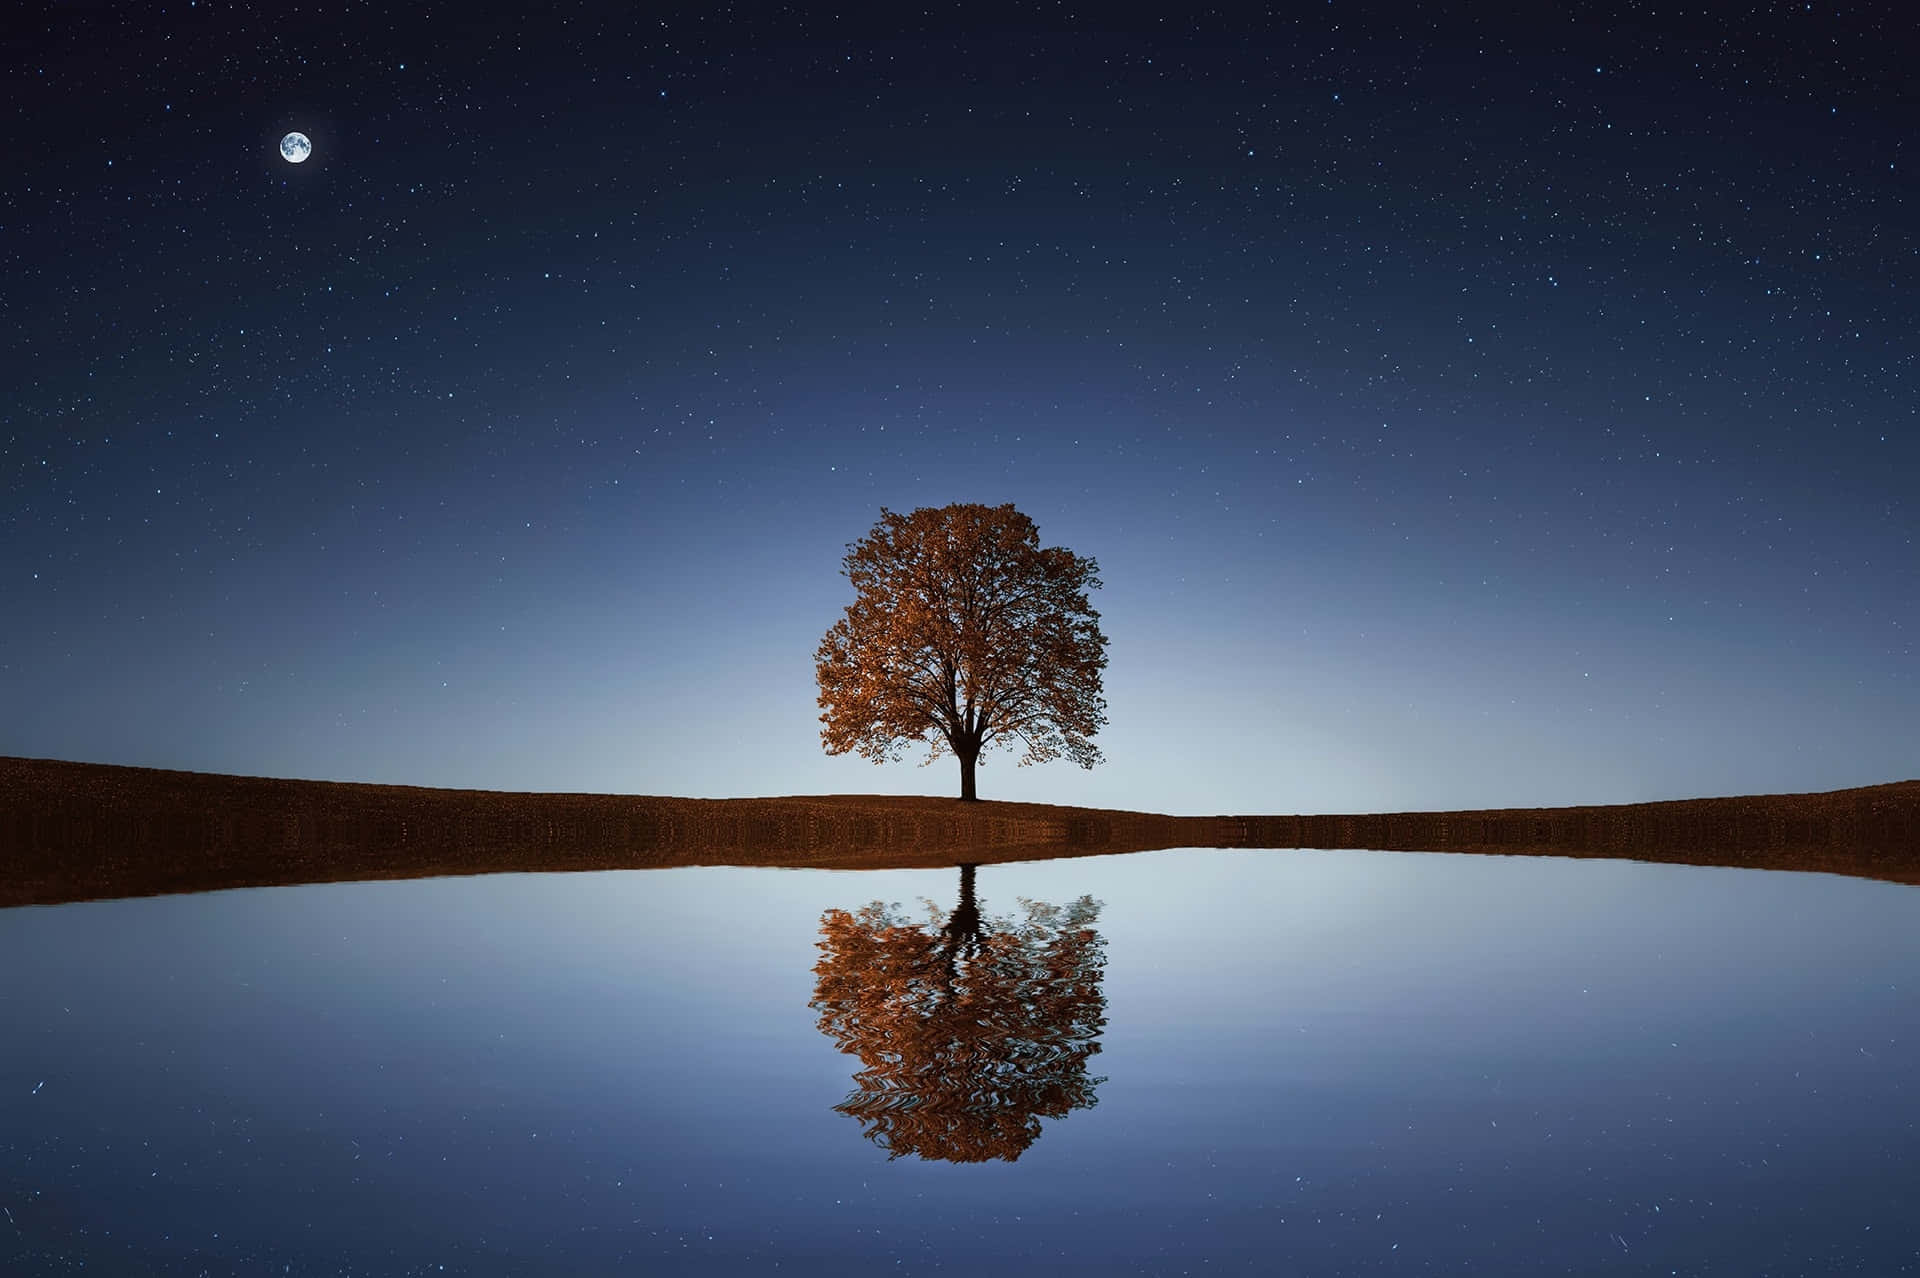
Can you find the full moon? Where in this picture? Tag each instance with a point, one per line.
(294, 148)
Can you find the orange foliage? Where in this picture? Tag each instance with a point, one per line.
(964, 633)
(968, 1034)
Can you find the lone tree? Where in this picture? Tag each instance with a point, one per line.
(963, 633)
(969, 1030)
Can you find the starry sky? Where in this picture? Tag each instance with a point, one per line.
(1466, 407)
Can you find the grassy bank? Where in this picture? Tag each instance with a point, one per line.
(76, 831)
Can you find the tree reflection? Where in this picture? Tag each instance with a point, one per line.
(969, 1030)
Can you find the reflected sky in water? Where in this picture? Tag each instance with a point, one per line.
(1331, 1061)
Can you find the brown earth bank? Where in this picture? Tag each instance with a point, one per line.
(80, 831)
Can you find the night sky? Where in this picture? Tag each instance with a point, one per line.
(1462, 410)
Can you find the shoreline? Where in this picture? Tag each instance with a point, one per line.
(79, 831)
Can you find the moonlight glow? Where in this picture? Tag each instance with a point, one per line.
(295, 148)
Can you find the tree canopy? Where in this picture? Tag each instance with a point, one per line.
(969, 1030)
(964, 633)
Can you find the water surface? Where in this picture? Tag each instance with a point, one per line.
(1314, 1062)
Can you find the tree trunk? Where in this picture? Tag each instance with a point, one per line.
(964, 923)
(968, 755)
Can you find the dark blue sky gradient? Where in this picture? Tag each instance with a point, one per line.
(1463, 410)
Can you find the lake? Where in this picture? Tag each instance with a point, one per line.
(1187, 1061)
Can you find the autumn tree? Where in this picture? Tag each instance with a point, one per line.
(964, 633)
(969, 1030)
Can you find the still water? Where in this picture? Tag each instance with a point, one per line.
(1301, 1062)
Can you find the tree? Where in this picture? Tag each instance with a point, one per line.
(963, 633)
(969, 1030)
